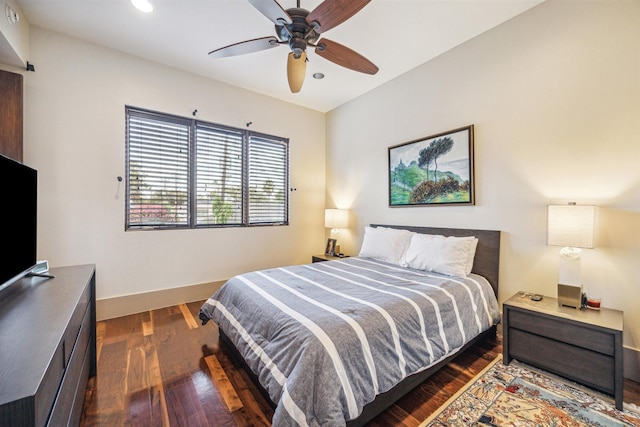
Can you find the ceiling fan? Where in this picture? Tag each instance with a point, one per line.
(299, 29)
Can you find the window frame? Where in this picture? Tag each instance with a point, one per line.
(247, 137)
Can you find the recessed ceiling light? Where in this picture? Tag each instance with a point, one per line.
(142, 5)
(318, 76)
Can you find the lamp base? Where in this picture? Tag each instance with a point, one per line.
(570, 295)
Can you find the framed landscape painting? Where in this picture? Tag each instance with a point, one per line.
(433, 171)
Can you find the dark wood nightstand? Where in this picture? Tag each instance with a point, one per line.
(582, 345)
(323, 257)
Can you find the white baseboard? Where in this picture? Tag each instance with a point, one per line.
(631, 363)
(109, 308)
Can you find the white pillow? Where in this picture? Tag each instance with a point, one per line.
(452, 256)
(385, 244)
(471, 254)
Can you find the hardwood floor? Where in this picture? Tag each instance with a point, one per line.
(162, 368)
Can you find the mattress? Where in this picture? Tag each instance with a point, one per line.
(325, 338)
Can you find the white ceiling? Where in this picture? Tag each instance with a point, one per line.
(397, 35)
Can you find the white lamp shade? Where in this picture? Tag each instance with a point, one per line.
(571, 225)
(336, 218)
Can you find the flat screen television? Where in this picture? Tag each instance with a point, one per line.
(18, 215)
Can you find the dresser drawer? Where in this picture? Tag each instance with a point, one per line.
(49, 386)
(562, 330)
(71, 333)
(71, 383)
(587, 367)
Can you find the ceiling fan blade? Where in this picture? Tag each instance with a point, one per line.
(272, 10)
(342, 55)
(296, 70)
(248, 46)
(331, 13)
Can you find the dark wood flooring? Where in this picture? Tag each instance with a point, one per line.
(162, 368)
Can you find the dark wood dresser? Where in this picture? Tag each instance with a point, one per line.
(582, 345)
(47, 347)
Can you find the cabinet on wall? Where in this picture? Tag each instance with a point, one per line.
(47, 347)
(11, 115)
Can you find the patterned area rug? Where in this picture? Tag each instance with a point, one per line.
(517, 395)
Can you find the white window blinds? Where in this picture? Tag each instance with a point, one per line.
(219, 176)
(268, 183)
(157, 172)
(184, 173)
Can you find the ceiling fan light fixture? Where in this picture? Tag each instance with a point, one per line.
(296, 69)
(299, 29)
(142, 5)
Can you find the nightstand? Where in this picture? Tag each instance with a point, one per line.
(323, 257)
(584, 346)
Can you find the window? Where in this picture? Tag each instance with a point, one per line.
(186, 173)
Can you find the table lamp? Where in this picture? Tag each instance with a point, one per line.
(336, 219)
(572, 227)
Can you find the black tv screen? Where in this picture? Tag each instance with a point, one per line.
(18, 215)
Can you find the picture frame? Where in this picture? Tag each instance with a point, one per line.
(330, 248)
(433, 171)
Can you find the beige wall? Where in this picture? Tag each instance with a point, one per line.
(554, 95)
(74, 136)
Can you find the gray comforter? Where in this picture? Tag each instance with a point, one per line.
(325, 338)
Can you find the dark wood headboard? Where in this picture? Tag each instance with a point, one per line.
(487, 260)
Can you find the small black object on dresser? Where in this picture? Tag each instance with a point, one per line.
(584, 346)
(324, 257)
(47, 347)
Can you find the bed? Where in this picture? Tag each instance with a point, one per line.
(337, 342)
